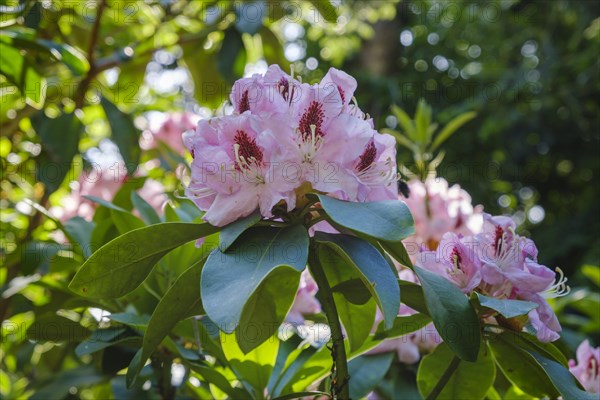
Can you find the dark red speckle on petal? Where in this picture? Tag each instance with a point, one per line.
(367, 157)
(314, 115)
(248, 148)
(244, 104)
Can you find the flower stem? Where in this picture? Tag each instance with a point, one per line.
(340, 376)
(444, 379)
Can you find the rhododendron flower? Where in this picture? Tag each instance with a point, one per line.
(285, 135)
(587, 367)
(103, 183)
(438, 208)
(499, 263)
(456, 260)
(169, 131)
(237, 168)
(305, 303)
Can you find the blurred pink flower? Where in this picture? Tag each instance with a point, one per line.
(437, 209)
(587, 367)
(169, 131)
(104, 184)
(305, 303)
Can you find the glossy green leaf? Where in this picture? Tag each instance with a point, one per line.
(372, 268)
(19, 71)
(253, 368)
(238, 272)
(326, 9)
(452, 313)
(406, 122)
(147, 212)
(231, 59)
(470, 380)
(121, 265)
(398, 251)
(383, 220)
(403, 325)
(125, 221)
(60, 140)
(266, 308)
(422, 121)
(81, 230)
(357, 317)
(232, 231)
(367, 372)
(450, 128)
(530, 343)
(507, 308)
(55, 328)
(124, 134)
(181, 301)
(521, 368)
(562, 379)
(412, 295)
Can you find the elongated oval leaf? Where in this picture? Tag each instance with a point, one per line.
(121, 265)
(562, 379)
(383, 220)
(521, 368)
(232, 231)
(453, 316)
(508, 308)
(237, 273)
(357, 317)
(181, 301)
(470, 380)
(124, 134)
(372, 268)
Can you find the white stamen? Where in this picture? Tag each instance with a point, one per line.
(560, 287)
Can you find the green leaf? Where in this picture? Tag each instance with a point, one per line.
(60, 141)
(266, 308)
(383, 220)
(301, 395)
(202, 65)
(104, 203)
(231, 59)
(521, 368)
(372, 268)
(452, 313)
(273, 49)
(470, 380)
(101, 339)
(403, 325)
(125, 221)
(592, 272)
(55, 328)
(18, 70)
(507, 308)
(60, 384)
(124, 134)
(232, 231)
(253, 368)
(181, 301)
(136, 321)
(412, 295)
(148, 214)
(367, 372)
(238, 272)
(422, 121)
(530, 343)
(450, 128)
(357, 317)
(562, 379)
(326, 9)
(121, 265)
(81, 230)
(70, 56)
(406, 122)
(398, 251)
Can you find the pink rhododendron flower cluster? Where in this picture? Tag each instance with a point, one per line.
(499, 263)
(587, 367)
(283, 137)
(438, 208)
